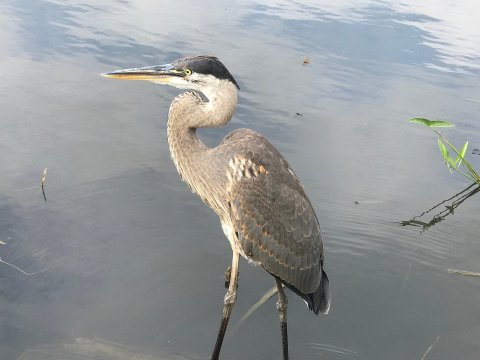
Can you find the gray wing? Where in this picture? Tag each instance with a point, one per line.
(273, 219)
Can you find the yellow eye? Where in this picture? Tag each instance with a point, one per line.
(187, 72)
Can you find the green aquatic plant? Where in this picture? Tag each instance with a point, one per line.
(460, 164)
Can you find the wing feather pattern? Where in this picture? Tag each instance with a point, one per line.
(273, 219)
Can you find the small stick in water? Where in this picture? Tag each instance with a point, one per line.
(22, 271)
(430, 348)
(463, 272)
(44, 177)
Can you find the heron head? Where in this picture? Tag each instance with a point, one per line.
(196, 73)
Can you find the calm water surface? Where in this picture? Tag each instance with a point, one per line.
(133, 258)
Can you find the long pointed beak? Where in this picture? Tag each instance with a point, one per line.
(157, 73)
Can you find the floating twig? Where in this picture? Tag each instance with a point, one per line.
(22, 271)
(42, 185)
(430, 348)
(333, 348)
(254, 307)
(44, 177)
(43, 193)
(463, 272)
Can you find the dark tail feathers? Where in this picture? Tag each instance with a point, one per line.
(318, 301)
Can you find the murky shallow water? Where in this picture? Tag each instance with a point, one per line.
(133, 258)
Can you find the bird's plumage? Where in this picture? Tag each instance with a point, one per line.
(272, 217)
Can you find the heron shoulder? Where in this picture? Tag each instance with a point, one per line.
(249, 154)
(253, 146)
(247, 139)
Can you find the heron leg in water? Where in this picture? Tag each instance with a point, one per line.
(282, 312)
(228, 301)
(227, 276)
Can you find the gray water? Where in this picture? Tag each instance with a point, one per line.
(128, 255)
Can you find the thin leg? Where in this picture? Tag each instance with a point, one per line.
(282, 304)
(228, 275)
(228, 301)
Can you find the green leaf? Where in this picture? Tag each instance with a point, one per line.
(446, 156)
(462, 153)
(431, 123)
(422, 121)
(443, 149)
(441, 123)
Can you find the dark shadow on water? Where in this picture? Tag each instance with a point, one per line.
(443, 208)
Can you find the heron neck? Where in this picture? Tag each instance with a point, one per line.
(195, 161)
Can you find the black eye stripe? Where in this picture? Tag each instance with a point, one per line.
(207, 65)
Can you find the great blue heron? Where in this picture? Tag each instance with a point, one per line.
(262, 206)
